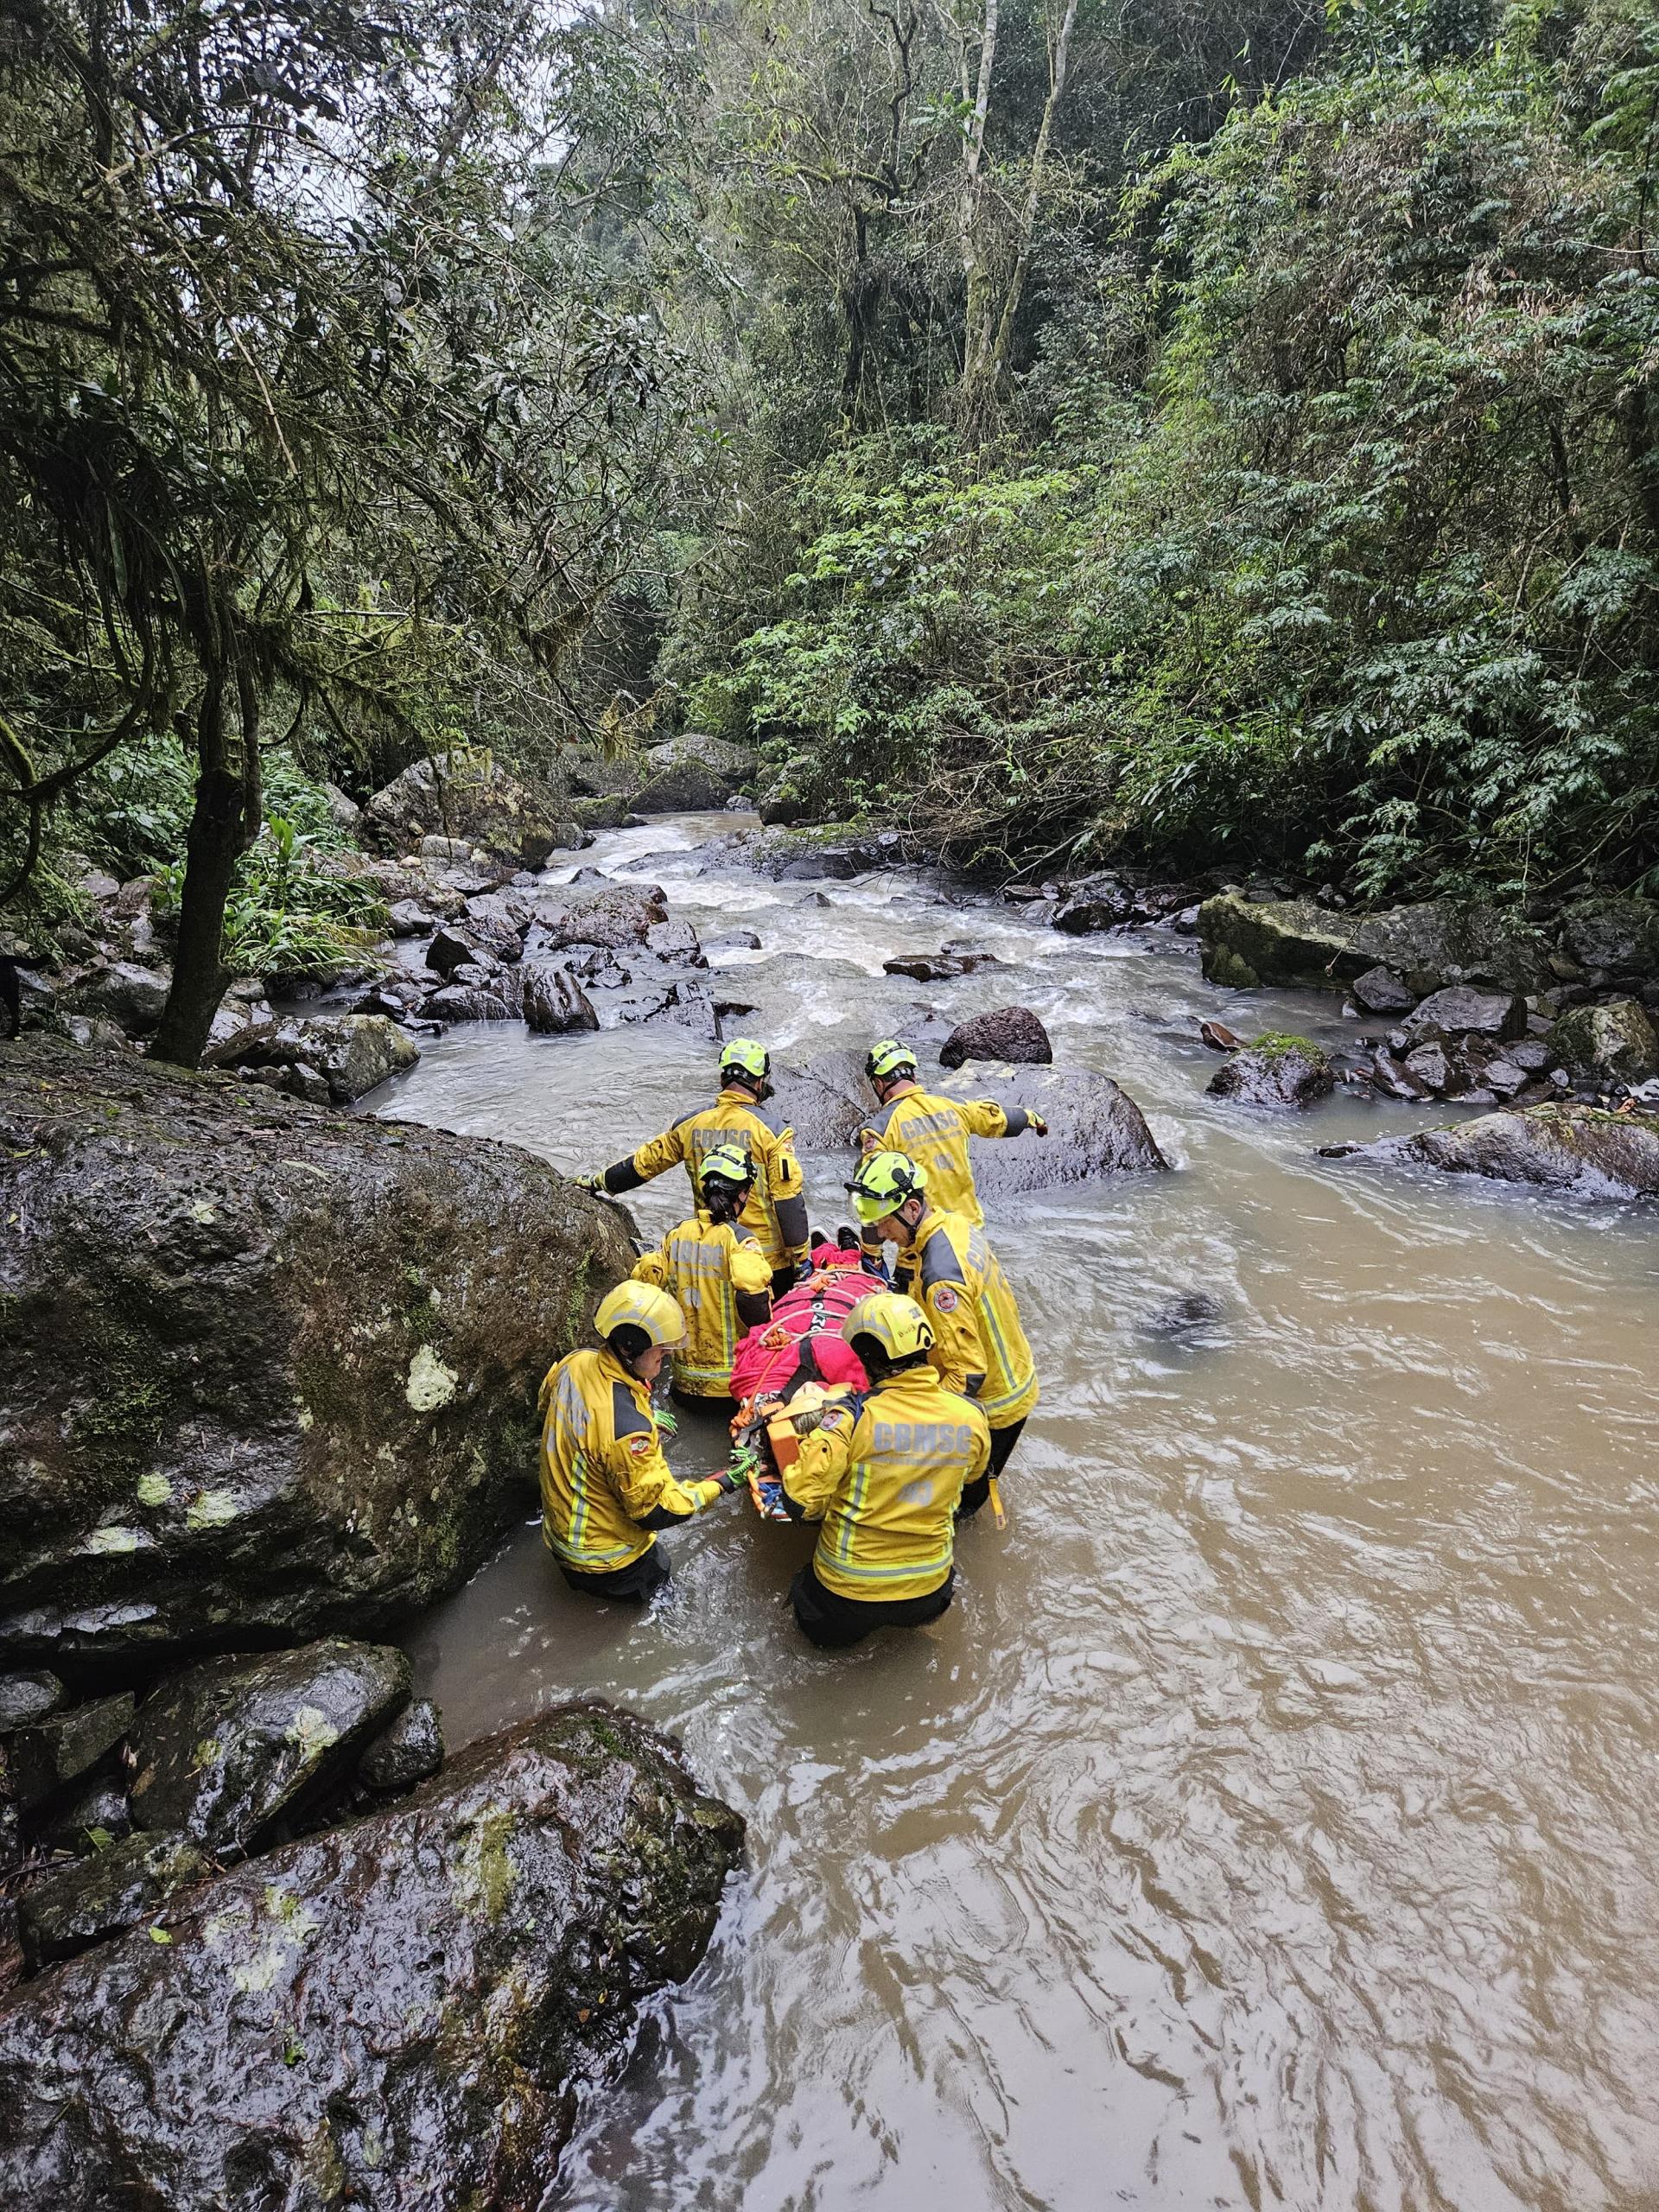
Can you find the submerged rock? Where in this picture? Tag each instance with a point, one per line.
(102, 1896)
(938, 967)
(1566, 1148)
(1012, 1034)
(1615, 1041)
(270, 1371)
(231, 1748)
(1247, 942)
(400, 2013)
(1278, 1071)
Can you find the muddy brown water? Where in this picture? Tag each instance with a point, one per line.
(1273, 1821)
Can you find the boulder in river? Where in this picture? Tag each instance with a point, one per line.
(616, 917)
(400, 2013)
(232, 1748)
(465, 1002)
(347, 1055)
(1097, 903)
(471, 797)
(1012, 1033)
(692, 773)
(1275, 1071)
(1462, 1010)
(1379, 990)
(1556, 1147)
(1247, 942)
(271, 1370)
(1095, 1128)
(1614, 1041)
(938, 967)
(555, 1004)
(407, 1751)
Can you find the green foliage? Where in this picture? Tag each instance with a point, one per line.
(1342, 553)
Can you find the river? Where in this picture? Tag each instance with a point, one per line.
(1271, 1822)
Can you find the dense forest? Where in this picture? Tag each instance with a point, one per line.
(1219, 433)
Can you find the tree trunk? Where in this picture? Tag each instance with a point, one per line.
(1058, 62)
(218, 837)
(978, 317)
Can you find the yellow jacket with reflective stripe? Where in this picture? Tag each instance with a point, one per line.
(884, 1474)
(706, 1265)
(604, 1483)
(933, 1131)
(979, 1346)
(775, 1214)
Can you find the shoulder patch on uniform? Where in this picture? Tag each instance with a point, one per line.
(626, 1420)
(641, 1446)
(944, 1297)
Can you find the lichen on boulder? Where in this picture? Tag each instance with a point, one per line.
(401, 2013)
(1278, 1069)
(225, 1318)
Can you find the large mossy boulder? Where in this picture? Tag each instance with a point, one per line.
(1573, 1148)
(401, 2013)
(1615, 1041)
(270, 1370)
(471, 797)
(1247, 943)
(691, 774)
(1275, 1071)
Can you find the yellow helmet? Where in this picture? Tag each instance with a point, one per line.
(727, 1163)
(889, 1057)
(898, 1324)
(641, 1307)
(882, 1184)
(744, 1057)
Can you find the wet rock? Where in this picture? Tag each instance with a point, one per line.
(938, 967)
(593, 963)
(1503, 1079)
(615, 917)
(735, 941)
(398, 2013)
(1379, 990)
(450, 852)
(48, 1754)
(500, 919)
(1099, 902)
(88, 1819)
(1532, 1054)
(125, 993)
(28, 1697)
(90, 1031)
(1463, 1011)
(453, 947)
(1095, 1128)
(459, 1003)
(1219, 1038)
(1564, 1147)
(554, 1003)
(349, 1053)
(1432, 1066)
(236, 1024)
(1277, 1071)
(231, 1748)
(471, 798)
(506, 984)
(1296, 941)
(1393, 1078)
(1614, 1041)
(407, 1752)
(688, 787)
(270, 1371)
(675, 943)
(608, 813)
(77, 1907)
(1612, 936)
(1012, 1033)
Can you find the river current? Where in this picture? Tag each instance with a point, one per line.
(1272, 1821)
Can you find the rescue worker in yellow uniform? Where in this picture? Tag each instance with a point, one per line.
(775, 1213)
(946, 1264)
(717, 1274)
(884, 1471)
(933, 1130)
(606, 1487)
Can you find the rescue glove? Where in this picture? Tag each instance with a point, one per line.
(593, 1180)
(1039, 1127)
(667, 1420)
(729, 1479)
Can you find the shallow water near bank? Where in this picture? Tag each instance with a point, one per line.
(1271, 1820)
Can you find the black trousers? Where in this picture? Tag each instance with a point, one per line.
(975, 1494)
(632, 1584)
(828, 1619)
